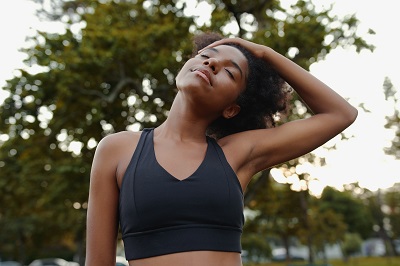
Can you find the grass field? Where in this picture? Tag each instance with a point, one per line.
(373, 261)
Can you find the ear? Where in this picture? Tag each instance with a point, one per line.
(231, 111)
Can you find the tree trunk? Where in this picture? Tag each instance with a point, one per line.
(324, 257)
(287, 247)
(304, 207)
(389, 247)
(21, 248)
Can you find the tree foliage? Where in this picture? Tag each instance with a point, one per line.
(113, 69)
(351, 245)
(393, 121)
(385, 208)
(276, 213)
(392, 202)
(353, 211)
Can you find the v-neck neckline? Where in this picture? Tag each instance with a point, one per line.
(171, 175)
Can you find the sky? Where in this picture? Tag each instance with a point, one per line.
(356, 76)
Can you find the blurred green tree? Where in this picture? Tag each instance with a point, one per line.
(383, 206)
(391, 199)
(392, 196)
(393, 120)
(351, 245)
(275, 212)
(354, 212)
(319, 226)
(113, 69)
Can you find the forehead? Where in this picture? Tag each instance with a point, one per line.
(231, 53)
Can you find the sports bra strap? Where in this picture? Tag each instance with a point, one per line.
(136, 155)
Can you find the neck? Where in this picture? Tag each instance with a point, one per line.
(184, 122)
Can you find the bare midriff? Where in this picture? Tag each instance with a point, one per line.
(192, 258)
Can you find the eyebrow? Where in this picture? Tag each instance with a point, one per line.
(233, 62)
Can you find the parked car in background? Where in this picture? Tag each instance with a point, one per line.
(279, 254)
(121, 261)
(10, 263)
(53, 262)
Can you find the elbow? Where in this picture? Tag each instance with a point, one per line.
(354, 114)
(351, 116)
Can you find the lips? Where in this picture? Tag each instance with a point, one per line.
(203, 73)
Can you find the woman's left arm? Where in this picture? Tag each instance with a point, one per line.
(320, 98)
(332, 114)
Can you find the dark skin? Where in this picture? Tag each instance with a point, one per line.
(208, 86)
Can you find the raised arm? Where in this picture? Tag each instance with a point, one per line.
(102, 220)
(266, 148)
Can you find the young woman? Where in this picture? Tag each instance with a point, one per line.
(176, 191)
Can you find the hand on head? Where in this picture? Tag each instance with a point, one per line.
(256, 49)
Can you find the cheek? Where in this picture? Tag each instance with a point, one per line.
(228, 97)
(179, 78)
(236, 91)
(181, 74)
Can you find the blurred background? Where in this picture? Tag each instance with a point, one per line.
(74, 71)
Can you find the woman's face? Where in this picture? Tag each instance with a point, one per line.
(214, 78)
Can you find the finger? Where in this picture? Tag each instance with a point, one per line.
(216, 43)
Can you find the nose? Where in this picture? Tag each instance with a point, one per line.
(212, 63)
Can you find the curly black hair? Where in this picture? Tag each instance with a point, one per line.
(266, 94)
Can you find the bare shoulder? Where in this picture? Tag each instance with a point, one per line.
(113, 152)
(118, 149)
(112, 156)
(115, 149)
(119, 140)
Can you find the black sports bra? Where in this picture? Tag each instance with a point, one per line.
(160, 214)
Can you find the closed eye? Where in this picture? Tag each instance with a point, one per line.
(227, 70)
(230, 74)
